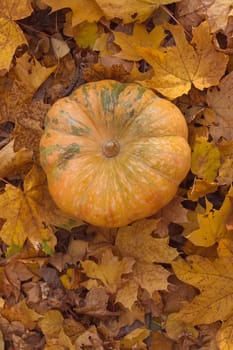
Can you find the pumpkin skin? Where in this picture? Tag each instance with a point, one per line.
(114, 152)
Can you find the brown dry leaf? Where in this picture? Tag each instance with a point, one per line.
(89, 340)
(190, 13)
(173, 212)
(220, 99)
(160, 341)
(218, 13)
(80, 11)
(11, 35)
(212, 223)
(136, 241)
(109, 271)
(225, 174)
(198, 63)
(140, 37)
(13, 163)
(22, 313)
(95, 303)
(132, 10)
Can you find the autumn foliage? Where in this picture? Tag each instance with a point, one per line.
(163, 282)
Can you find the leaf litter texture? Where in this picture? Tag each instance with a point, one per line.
(127, 269)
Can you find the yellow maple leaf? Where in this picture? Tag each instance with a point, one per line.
(136, 241)
(139, 37)
(109, 271)
(214, 279)
(178, 67)
(29, 214)
(80, 10)
(11, 36)
(130, 10)
(205, 160)
(212, 223)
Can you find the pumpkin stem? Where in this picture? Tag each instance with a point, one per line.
(111, 148)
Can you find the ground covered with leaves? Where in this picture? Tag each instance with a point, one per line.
(161, 283)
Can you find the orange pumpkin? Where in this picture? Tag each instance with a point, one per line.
(113, 152)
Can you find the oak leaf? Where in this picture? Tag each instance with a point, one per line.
(139, 37)
(11, 36)
(212, 223)
(176, 68)
(109, 271)
(224, 335)
(136, 241)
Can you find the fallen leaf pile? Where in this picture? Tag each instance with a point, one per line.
(161, 283)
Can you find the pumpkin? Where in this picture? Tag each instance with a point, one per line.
(114, 152)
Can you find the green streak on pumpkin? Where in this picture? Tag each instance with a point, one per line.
(67, 153)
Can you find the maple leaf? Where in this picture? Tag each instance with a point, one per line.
(178, 67)
(11, 36)
(109, 271)
(205, 160)
(29, 214)
(214, 281)
(220, 99)
(136, 241)
(132, 10)
(139, 37)
(212, 223)
(225, 174)
(80, 11)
